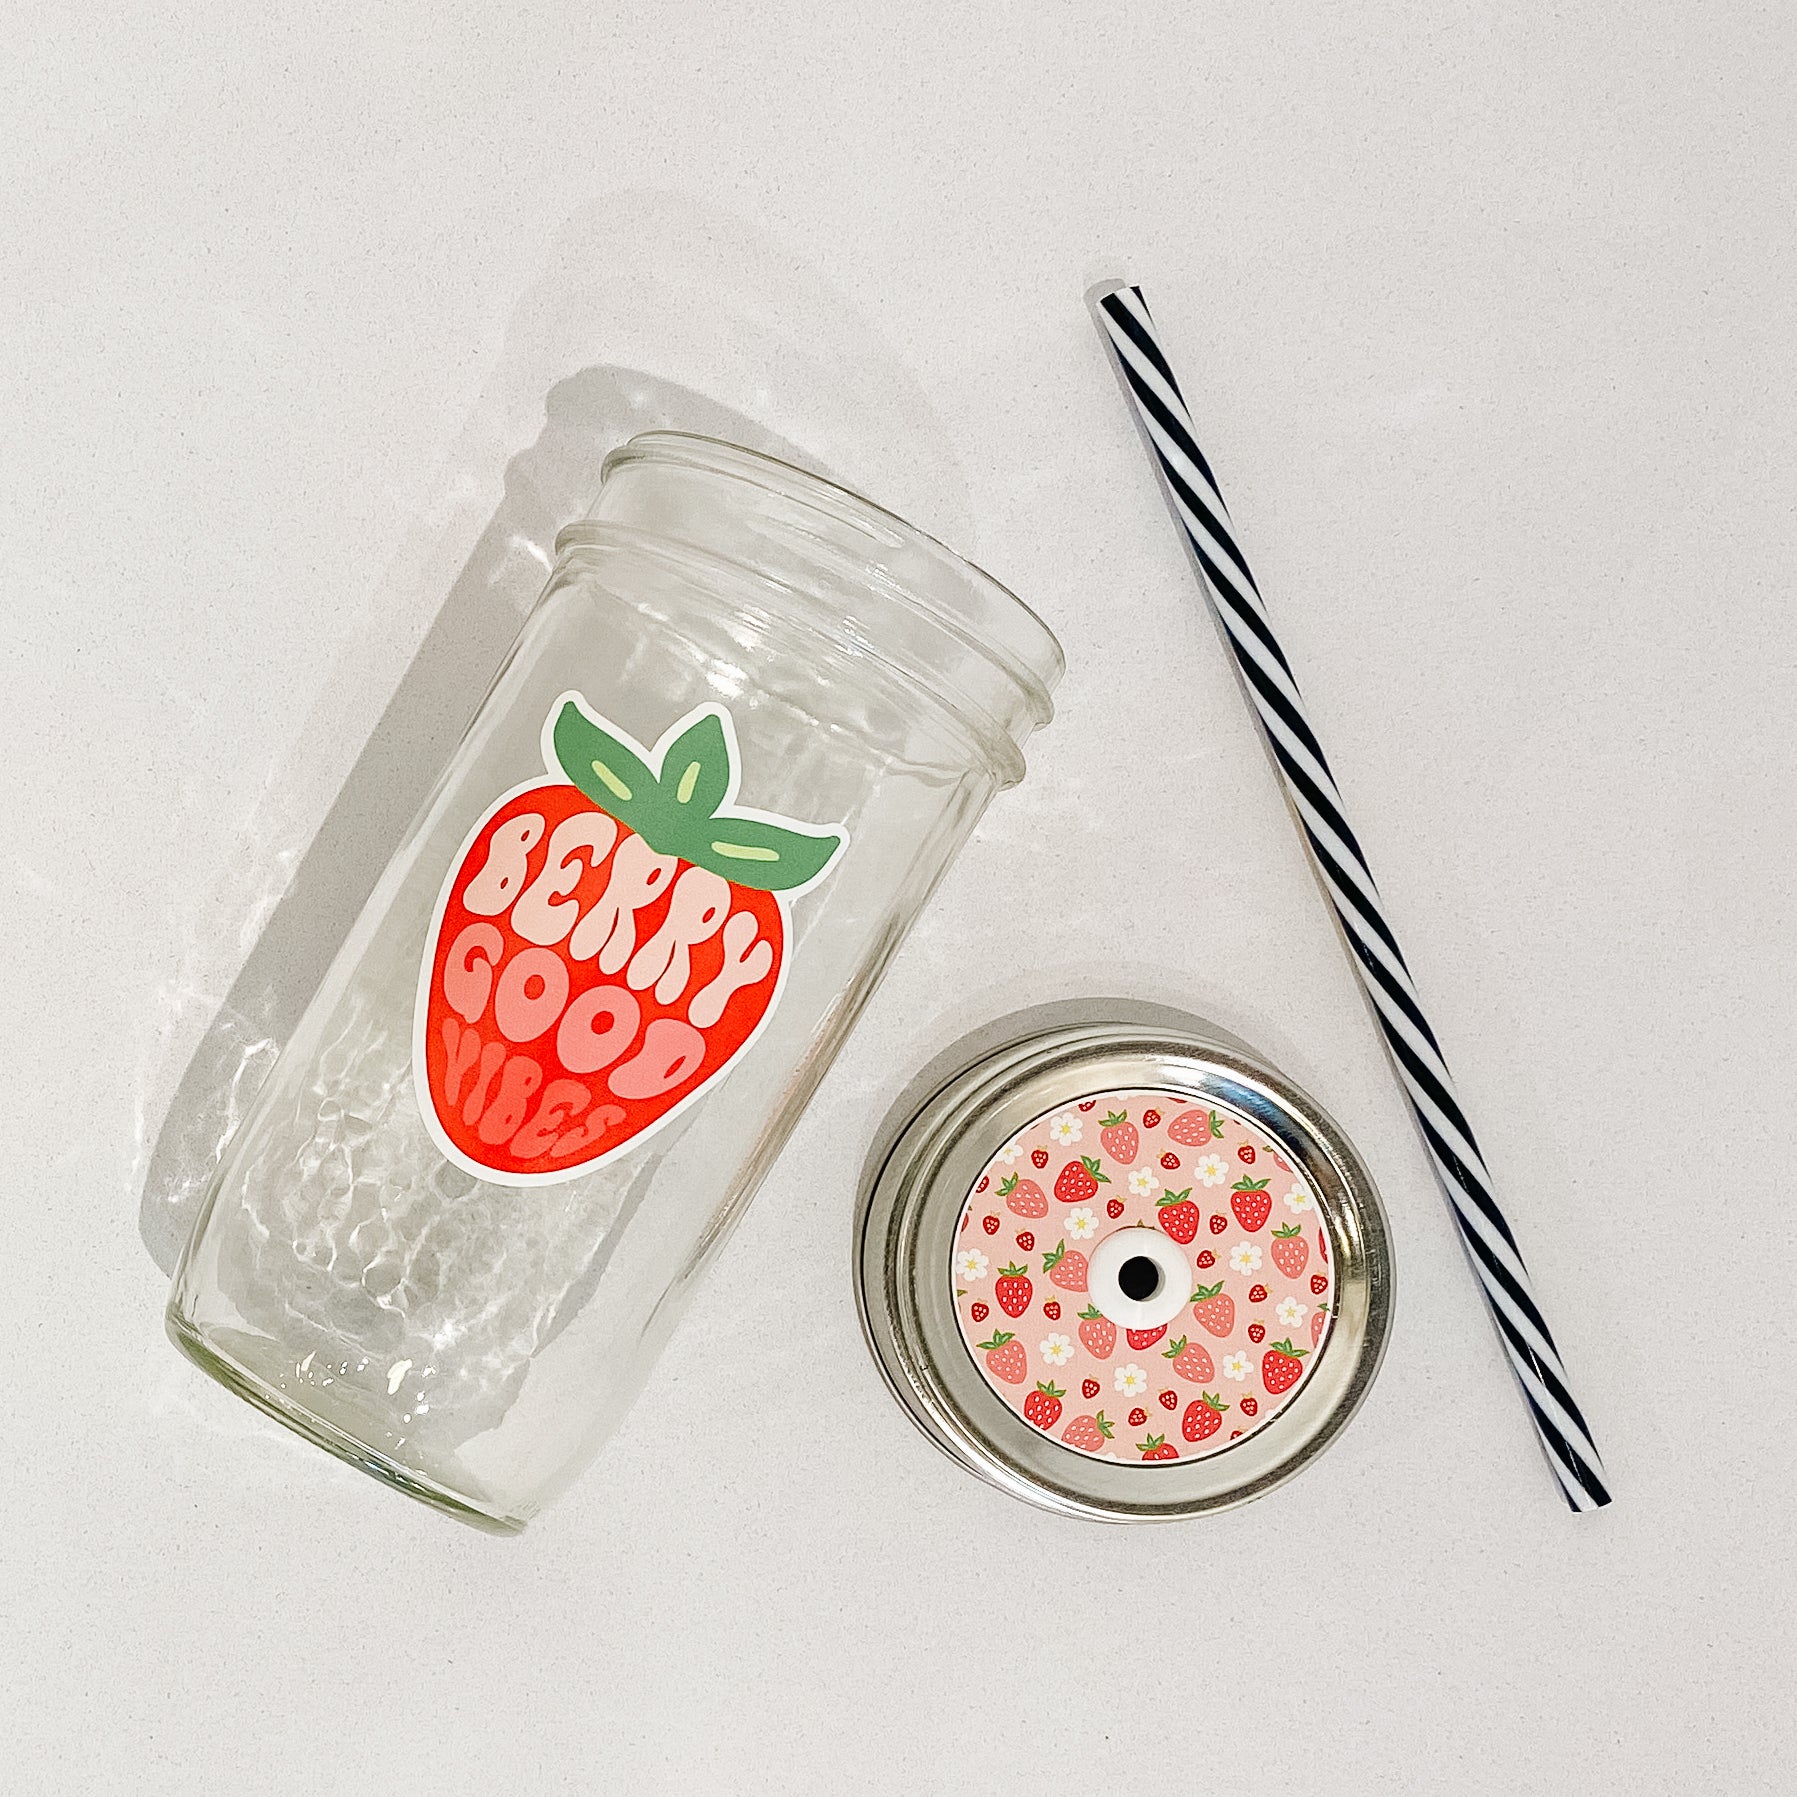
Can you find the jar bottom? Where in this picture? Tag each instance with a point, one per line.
(243, 1383)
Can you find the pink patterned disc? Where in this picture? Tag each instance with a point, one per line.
(1228, 1215)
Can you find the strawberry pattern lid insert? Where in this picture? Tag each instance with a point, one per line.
(1056, 1287)
(1125, 1269)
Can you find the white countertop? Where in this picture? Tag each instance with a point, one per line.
(1486, 318)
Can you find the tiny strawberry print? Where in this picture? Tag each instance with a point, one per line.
(1210, 1181)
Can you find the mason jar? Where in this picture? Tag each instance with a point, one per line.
(746, 728)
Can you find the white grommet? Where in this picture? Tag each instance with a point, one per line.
(1172, 1289)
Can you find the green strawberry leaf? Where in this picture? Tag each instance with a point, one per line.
(767, 856)
(611, 774)
(695, 771)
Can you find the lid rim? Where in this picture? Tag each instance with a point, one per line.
(911, 1202)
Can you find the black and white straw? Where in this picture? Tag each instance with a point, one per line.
(1267, 679)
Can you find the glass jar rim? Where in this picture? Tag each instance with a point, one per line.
(1029, 651)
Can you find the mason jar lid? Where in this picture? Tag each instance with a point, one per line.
(1123, 1269)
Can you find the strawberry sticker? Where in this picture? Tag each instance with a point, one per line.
(1118, 1138)
(1087, 1433)
(1066, 1267)
(1023, 1197)
(1252, 1331)
(1290, 1250)
(1178, 1215)
(1203, 1417)
(609, 941)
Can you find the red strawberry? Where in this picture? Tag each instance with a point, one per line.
(1157, 1447)
(1235, 1435)
(1144, 1338)
(1257, 1333)
(1169, 1399)
(1052, 1310)
(1257, 1294)
(1113, 1208)
(1206, 1259)
(1319, 1284)
(1178, 1215)
(1250, 1407)
(1137, 1417)
(1246, 1152)
(1043, 1406)
(1098, 1333)
(1088, 1104)
(1066, 1267)
(1080, 1180)
(1290, 1250)
(1038, 1158)
(1151, 1119)
(985, 1180)
(1089, 1389)
(1023, 1197)
(1006, 1359)
(1218, 1223)
(1214, 1308)
(1088, 1432)
(1203, 1417)
(1025, 1240)
(1191, 1362)
(1252, 1204)
(1192, 1129)
(541, 1053)
(1012, 1290)
(990, 1225)
(1117, 1136)
(980, 1312)
(1323, 1247)
(1170, 1161)
(1279, 1367)
(1319, 1319)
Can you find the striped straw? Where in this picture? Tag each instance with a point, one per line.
(1267, 679)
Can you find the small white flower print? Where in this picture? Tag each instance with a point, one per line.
(1131, 1380)
(1245, 1257)
(1235, 1366)
(1066, 1130)
(1057, 1350)
(1292, 1313)
(1210, 1169)
(1082, 1225)
(1142, 1183)
(1299, 1199)
(1010, 1152)
(971, 1265)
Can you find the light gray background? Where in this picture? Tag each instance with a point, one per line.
(1486, 315)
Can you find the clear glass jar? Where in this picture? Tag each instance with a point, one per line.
(746, 729)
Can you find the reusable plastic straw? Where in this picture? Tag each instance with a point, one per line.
(1267, 679)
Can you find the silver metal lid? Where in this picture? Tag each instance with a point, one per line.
(1184, 1100)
